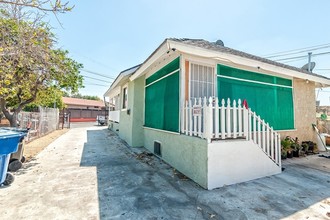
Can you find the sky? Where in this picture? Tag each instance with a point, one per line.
(109, 36)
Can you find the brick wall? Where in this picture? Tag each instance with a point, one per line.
(305, 111)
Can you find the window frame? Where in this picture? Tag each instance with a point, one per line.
(214, 78)
(124, 96)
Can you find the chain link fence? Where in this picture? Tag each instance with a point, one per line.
(39, 123)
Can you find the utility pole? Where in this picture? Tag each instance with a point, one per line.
(309, 61)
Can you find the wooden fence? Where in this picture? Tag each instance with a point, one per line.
(209, 120)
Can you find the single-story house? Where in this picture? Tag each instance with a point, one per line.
(215, 114)
(84, 110)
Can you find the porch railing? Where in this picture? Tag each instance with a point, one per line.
(207, 119)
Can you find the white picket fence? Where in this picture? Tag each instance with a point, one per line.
(206, 119)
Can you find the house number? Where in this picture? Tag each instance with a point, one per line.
(197, 111)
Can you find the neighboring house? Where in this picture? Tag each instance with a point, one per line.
(215, 140)
(84, 110)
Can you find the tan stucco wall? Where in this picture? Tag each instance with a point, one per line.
(304, 110)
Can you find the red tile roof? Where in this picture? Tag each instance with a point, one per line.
(82, 102)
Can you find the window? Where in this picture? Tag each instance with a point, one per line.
(125, 98)
(201, 81)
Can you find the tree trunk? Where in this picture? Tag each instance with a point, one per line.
(12, 118)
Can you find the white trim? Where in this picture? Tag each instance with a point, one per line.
(161, 63)
(252, 81)
(239, 60)
(159, 52)
(160, 130)
(201, 60)
(114, 92)
(169, 74)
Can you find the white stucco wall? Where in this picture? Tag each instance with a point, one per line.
(235, 161)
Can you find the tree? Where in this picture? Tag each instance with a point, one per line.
(29, 65)
(54, 6)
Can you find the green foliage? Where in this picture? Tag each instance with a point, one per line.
(324, 117)
(289, 144)
(31, 69)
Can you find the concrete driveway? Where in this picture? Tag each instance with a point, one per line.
(89, 173)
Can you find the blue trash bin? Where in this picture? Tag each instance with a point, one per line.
(9, 141)
(16, 159)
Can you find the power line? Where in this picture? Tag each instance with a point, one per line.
(313, 55)
(99, 74)
(302, 51)
(294, 60)
(287, 51)
(94, 61)
(95, 84)
(95, 79)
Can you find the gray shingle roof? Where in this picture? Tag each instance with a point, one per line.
(215, 47)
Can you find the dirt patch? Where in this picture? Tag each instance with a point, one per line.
(32, 148)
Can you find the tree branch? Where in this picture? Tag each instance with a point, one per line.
(58, 7)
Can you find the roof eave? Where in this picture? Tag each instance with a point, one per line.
(161, 50)
(217, 55)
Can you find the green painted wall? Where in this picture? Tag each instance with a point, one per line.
(137, 113)
(131, 125)
(270, 97)
(113, 126)
(186, 154)
(125, 123)
(162, 98)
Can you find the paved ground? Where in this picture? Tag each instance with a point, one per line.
(89, 173)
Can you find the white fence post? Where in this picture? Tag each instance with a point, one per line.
(204, 117)
(187, 117)
(279, 150)
(223, 120)
(263, 135)
(246, 123)
(259, 131)
(234, 120)
(272, 153)
(194, 116)
(200, 118)
(190, 119)
(267, 138)
(216, 118)
(240, 121)
(250, 124)
(208, 120)
(228, 119)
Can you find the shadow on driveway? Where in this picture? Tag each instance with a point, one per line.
(132, 188)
